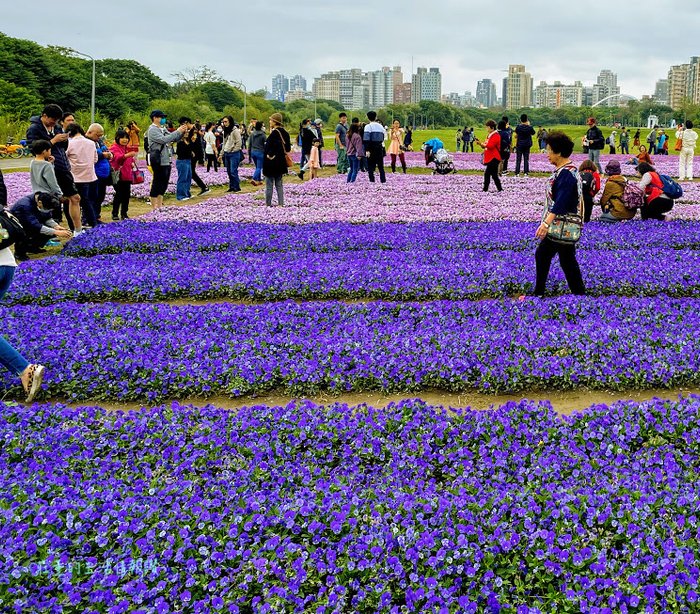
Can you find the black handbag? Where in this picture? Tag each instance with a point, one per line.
(11, 230)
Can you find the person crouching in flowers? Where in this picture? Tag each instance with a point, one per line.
(564, 195)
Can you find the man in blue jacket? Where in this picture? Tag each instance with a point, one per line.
(35, 213)
(45, 127)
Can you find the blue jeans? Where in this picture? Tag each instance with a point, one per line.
(594, 156)
(522, 155)
(231, 161)
(354, 168)
(88, 200)
(10, 358)
(184, 179)
(258, 157)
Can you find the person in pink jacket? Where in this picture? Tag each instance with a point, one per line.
(122, 161)
(82, 156)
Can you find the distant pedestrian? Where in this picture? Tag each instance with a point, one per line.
(355, 151)
(232, 148)
(82, 155)
(651, 140)
(307, 134)
(590, 186)
(211, 151)
(612, 142)
(523, 144)
(275, 165)
(133, 131)
(408, 139)
(318, 125)
(635, 140)
(492, 155)
(373, 140)
(624, 141)
(506, 135)
(341, 131)
(465, 139)
(687, 152)
(595, 141)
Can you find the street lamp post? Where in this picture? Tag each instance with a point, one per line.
(92, 96)
(245, 99)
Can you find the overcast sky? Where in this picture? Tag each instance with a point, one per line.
(467, 40)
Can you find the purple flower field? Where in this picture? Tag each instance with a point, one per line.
(142, 351)
(404, 198)
(335, 509)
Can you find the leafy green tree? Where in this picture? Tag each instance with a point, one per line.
(16, 101)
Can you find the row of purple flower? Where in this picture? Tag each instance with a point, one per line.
(306, 508)
(140, 351)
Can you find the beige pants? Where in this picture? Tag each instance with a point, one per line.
(685, 163)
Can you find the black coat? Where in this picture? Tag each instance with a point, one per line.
(307, 139)
(277, 144)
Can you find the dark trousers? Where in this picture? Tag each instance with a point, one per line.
(523, 155)
(88, 199)
(393, 162)
(196, 178)
(122, 194)
(31, 242)
(491, 172)
(375, 160)
(212, 159)
(503, 165)
(624, 148)
(101, 194)
(656, 208)
(587, 207)
(544, 254)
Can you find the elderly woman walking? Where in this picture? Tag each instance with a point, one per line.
(275, 166)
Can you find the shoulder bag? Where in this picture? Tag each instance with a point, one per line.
(287, 157)
(567, 228)
(11, 229)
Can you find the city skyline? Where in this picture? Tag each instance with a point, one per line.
(555, 42)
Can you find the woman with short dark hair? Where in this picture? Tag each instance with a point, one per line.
(492, 155)
(564, 196)
(257, 151)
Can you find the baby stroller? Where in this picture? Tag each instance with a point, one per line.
(443, 162)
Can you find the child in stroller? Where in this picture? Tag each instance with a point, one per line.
(436, 153)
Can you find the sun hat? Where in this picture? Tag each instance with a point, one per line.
(277, 118)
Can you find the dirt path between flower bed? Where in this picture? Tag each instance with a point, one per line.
(564, 402)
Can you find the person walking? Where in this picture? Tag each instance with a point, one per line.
(651, 140)
(257, 151)
(465, 139)
(395, 140)
(492, 155)
(307, 134)
(523, 144)
(612, 142)
(232, 152)
(563, 196)
(275, 167)
(341, 131)
(122, 161)
(159, 154)
(373, 140)
(689, 139)
(635, 140)
(355, 150)
(184, 151)
(624, 141)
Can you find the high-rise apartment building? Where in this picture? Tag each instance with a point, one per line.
(661, 91)
(606, 89)
(280, 86)
(693, 87)
(327, 86)
(402, 93)
(559, 95)
(297, 82)
(518, 87)
(486, 93)
(426, 85)
(352, 94)
(381, 86)
(677, 84)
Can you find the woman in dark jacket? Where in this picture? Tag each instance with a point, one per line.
(275, 163)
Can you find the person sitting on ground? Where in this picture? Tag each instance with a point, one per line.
(642, 156)
(611, 202)
(590, 184)
(35, 213)
(656, 202)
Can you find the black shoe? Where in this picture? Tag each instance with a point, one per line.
(301, 175)
(230, 190)
(203, 192)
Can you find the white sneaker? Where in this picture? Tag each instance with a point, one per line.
(77, 233)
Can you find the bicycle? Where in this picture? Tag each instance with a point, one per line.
(10, 150)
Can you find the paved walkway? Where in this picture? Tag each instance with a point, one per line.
(9, 163)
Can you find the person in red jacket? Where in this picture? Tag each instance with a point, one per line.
(122, 161)
(492, 155)
(657, 203)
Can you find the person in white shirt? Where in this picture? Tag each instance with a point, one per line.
(685, 156)
(210, 151)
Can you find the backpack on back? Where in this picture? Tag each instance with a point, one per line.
(670, 187)
(632, 196)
